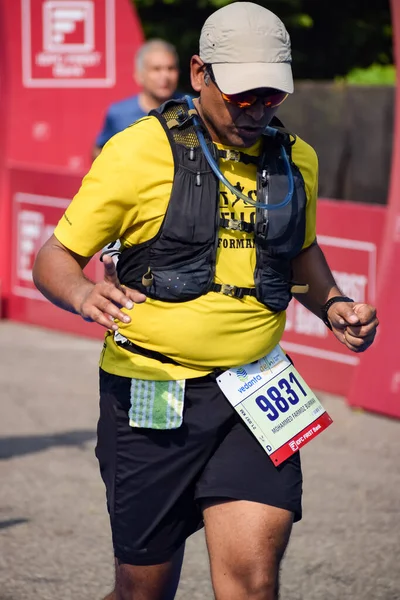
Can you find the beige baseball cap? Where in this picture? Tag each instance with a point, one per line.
(248, 47)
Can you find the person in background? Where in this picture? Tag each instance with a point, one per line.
(157, 72)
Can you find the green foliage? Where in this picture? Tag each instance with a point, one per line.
(305, 21)
(329, 38)
(374, 75)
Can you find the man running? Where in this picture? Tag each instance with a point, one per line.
(214, 204)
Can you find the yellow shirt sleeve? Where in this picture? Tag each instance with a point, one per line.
(306, 159)
(132, 172)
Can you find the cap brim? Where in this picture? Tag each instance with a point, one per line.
(234, 78)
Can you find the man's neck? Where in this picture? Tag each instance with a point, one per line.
(211, 132)
(148, 102)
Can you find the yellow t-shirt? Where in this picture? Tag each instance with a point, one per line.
(125, 195)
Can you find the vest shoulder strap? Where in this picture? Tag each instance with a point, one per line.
(177, 121)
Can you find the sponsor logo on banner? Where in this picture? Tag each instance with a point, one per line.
(34, 220)
(68, 43)
(32, 232)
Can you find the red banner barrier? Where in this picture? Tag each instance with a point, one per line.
(38, 202)
(376, 384)
(65, 61)
(62, 62)
(350, 236)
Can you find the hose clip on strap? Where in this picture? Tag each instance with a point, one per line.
(182, 119)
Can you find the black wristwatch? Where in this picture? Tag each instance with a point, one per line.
(326, 307)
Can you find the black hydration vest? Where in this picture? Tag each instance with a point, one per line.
(178, 263)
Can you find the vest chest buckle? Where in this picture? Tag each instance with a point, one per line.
(235, 225)
(233, 155)
(232, 290)
(228, 290)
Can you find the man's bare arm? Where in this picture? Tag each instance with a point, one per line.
(58, 274)
(310, 267)
(354, 324)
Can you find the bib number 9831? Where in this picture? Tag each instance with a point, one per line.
(281, 397)
(275, 403)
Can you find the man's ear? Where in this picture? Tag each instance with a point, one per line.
(197, 73)
(137, 76)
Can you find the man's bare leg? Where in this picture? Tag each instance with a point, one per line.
(154, 582)
(246, 542)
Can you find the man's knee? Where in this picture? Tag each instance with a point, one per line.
(139, 583)
(152, 582)
(246, 543)
(260, 585)
(248, 580)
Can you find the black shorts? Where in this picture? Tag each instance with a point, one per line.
(155, 480)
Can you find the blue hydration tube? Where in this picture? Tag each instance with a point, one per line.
(214, 166)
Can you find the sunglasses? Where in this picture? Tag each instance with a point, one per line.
(271, 99)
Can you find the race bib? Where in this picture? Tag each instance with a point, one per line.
(275, 403)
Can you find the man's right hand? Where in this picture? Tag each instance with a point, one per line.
(102, 302)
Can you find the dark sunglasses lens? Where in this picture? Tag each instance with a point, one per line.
(246, 99)
(242, 99)
(275, 99)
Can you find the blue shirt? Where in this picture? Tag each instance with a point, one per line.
(120, 115)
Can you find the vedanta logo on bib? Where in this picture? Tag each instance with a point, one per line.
(242, 374)
(250, 383)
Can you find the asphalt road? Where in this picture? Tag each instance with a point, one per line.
(54, 532)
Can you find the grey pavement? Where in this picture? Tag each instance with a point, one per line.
(54, 532)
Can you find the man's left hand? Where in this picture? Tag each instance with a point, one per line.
(354, 324)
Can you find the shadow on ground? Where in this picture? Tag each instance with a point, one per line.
(30, 444)
(11, 523)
